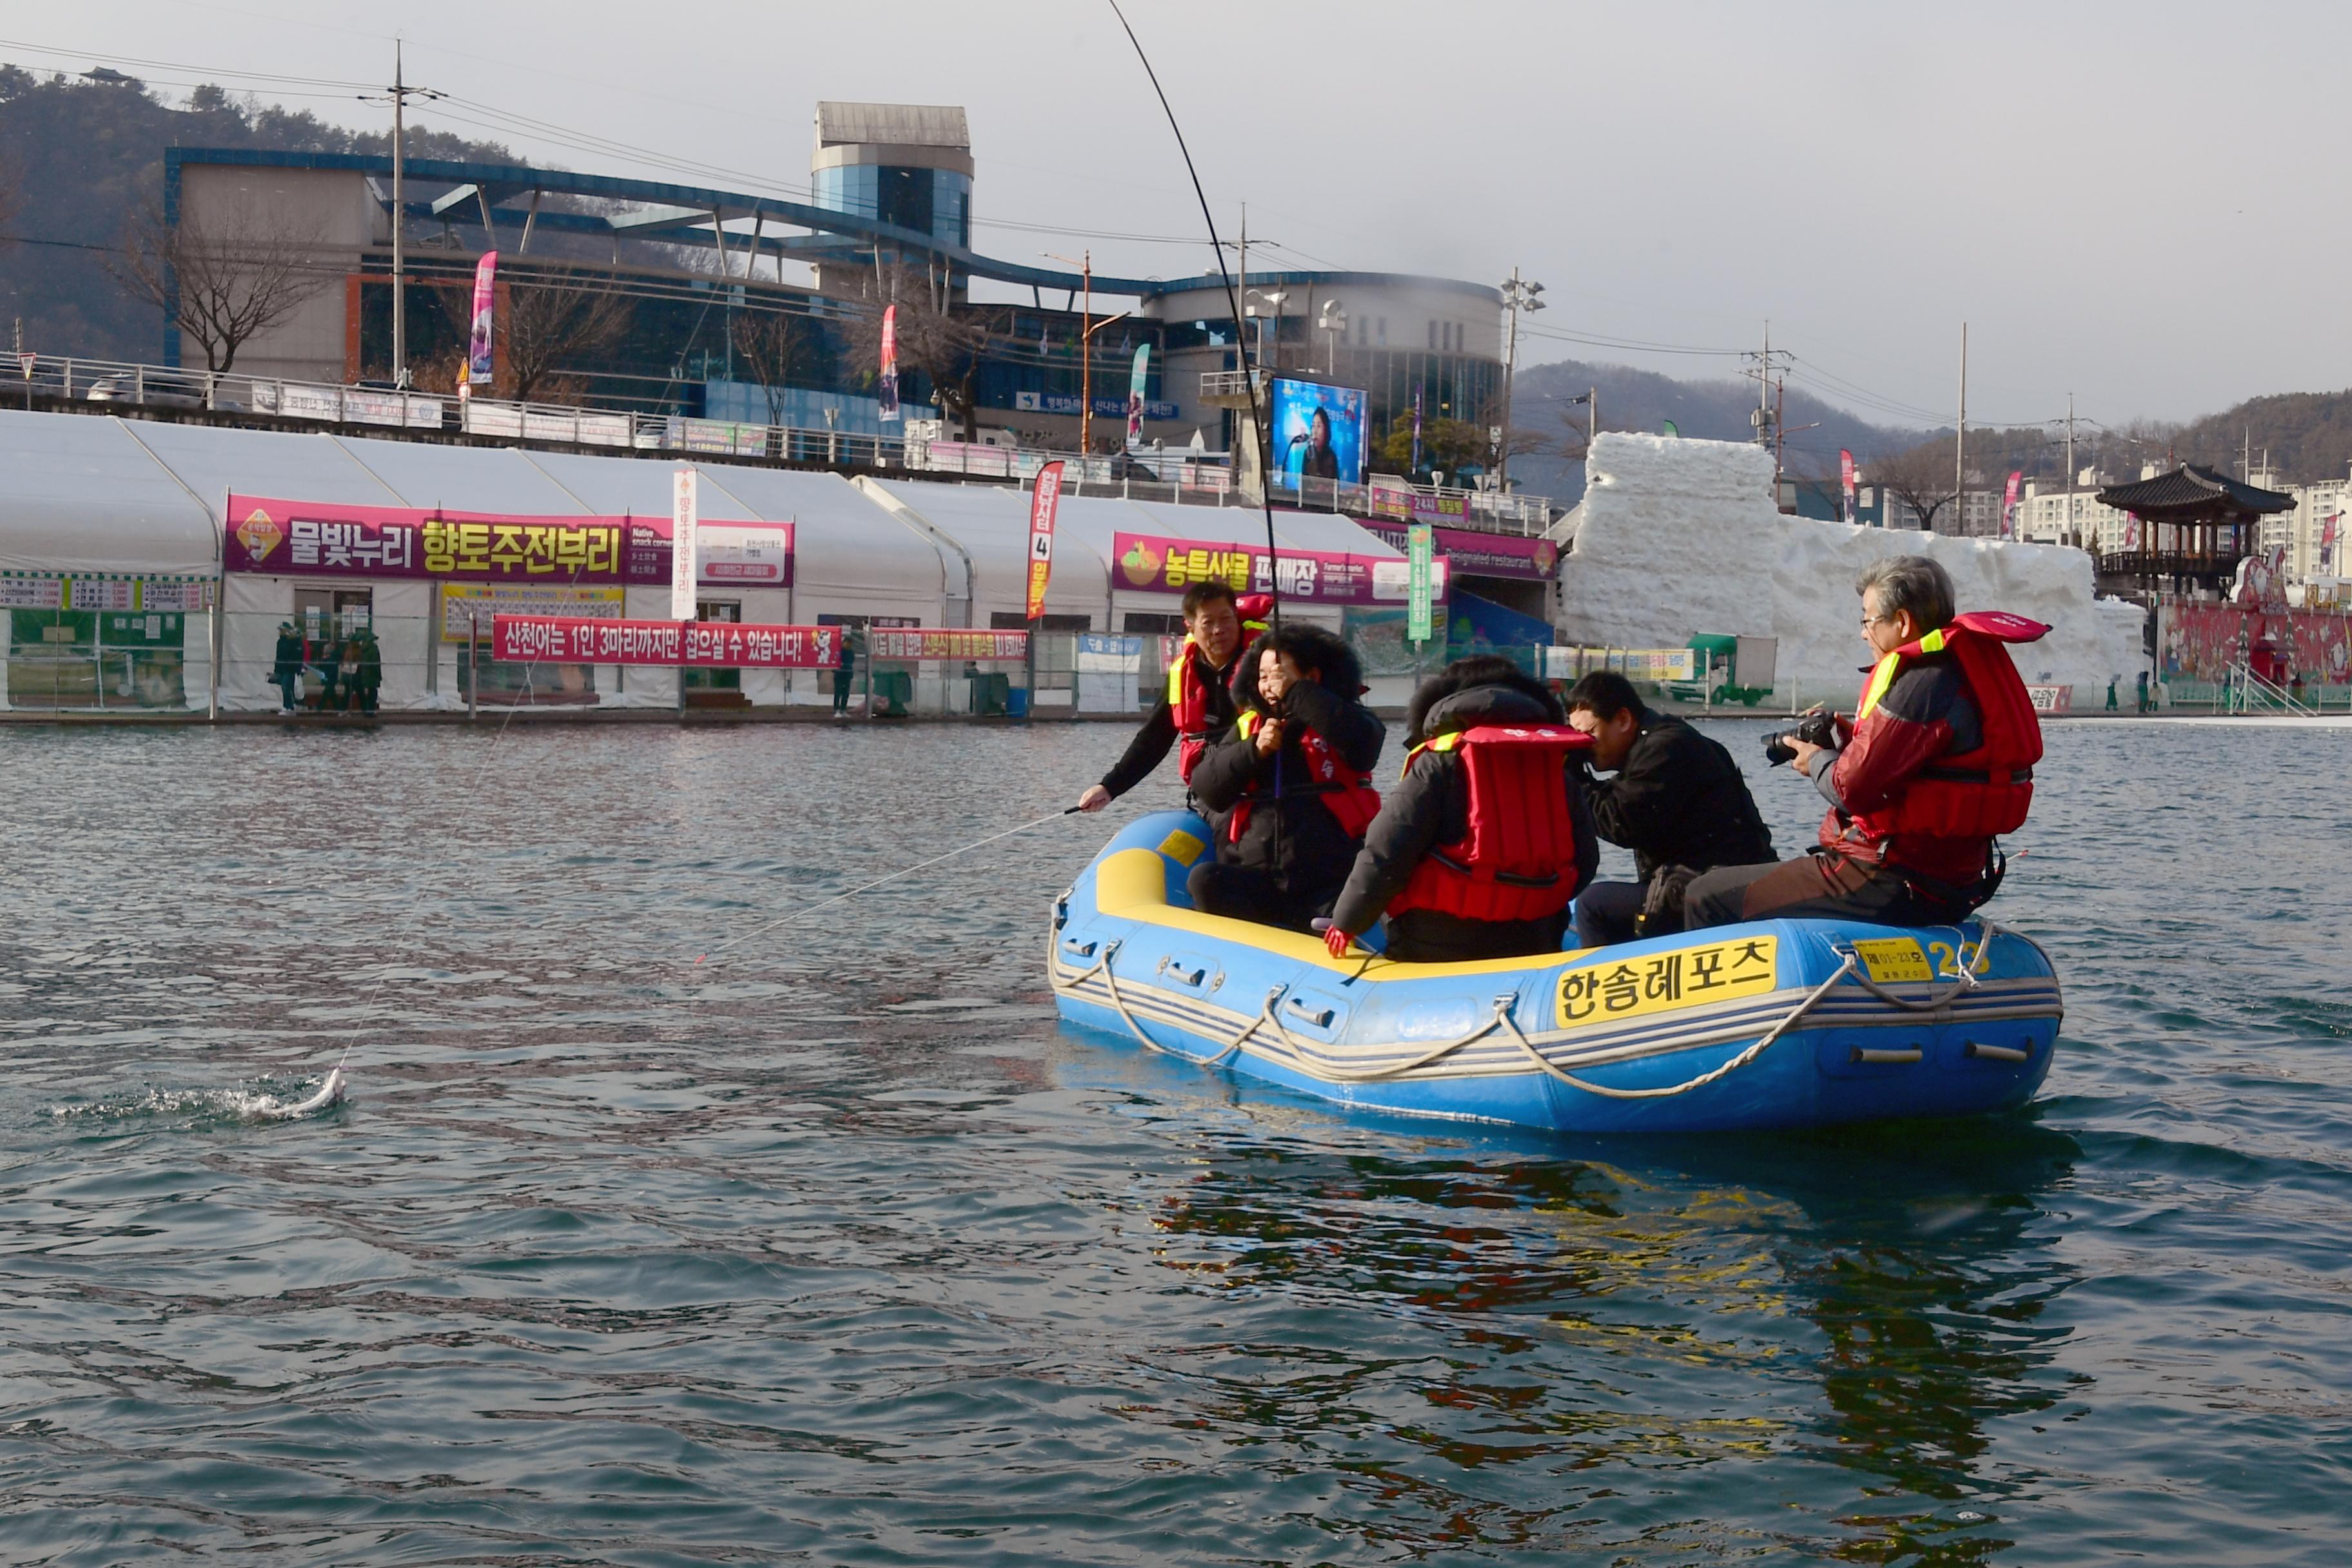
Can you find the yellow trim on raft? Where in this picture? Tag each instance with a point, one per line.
(1133, 885)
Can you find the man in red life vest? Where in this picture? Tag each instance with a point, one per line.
(1478, 850)
(1198, 707)
(1290, 793)
(1936, 761)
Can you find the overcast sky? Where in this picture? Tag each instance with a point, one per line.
(2136, 202)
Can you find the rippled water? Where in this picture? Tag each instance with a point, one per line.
(837, 1249)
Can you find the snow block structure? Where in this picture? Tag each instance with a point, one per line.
(1676, 538)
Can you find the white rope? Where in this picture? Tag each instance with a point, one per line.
(1971, 965)
(1501, 1020)
(1265, 1015)
(1741, 1060)
(1110, 984)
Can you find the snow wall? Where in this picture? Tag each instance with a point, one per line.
(1676, 538)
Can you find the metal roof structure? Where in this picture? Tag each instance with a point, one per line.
(892, 124)
(506, 198)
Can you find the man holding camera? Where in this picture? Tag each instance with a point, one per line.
(1677, 801)
(1937, 760)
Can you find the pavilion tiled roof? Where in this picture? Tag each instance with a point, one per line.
(2190, 492)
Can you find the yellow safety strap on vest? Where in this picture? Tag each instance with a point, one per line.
(1881, 678)
(1176, 670)
(1881, 675)
(1446, 743)
(1249, 721)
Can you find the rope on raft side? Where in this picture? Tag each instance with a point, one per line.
(1970, 967)
(1741, 1060)
(1265, 1015)
(1848, 967)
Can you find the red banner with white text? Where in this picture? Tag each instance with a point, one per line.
(724, 645)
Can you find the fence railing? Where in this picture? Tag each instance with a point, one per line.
(1155, 474)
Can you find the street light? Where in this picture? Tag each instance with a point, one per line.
(1275, 298)
(1335, 325)
(1519, 295)
(1088, 327)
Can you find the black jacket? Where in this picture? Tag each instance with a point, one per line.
(1678, 799)
(1152, 743)
(1431, 806)
(1311, 853)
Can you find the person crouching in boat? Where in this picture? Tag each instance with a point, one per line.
(1198, 706)
(1478, 853)
(1937, 760)
(1290, 792)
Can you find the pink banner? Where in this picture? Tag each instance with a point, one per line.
(565, 640)
(1151, 564)
(1480, 554)
(311, 538)
(479, 337)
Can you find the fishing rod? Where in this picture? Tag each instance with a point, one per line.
(1263, 437)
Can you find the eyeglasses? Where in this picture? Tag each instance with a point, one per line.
(1870, 621)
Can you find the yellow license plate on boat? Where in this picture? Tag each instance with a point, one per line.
(1893, 958)
(1610, 989)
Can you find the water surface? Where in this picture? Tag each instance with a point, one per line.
(837, 1249)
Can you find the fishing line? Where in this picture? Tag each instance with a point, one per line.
(330, 1091)
(862, 887)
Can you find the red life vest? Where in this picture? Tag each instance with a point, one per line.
(1517, 861)
(1347, 794)
(1977, 794)
(1191, 682)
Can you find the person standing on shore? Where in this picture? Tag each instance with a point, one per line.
(286, 668)
(843, 670)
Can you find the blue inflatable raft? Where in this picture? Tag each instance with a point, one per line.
(1773, 1023)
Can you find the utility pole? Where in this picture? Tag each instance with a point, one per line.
(1086, 365)
(1763, 418)
(1961, 444)
(1517, 295)
(2069, 535)
(400, 94)
(399, 222)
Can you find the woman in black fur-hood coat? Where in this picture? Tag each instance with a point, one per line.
(1291, 855)
(1431, 806)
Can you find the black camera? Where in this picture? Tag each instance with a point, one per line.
(1813, 728)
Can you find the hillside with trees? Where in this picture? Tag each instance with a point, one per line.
(80, 157)
(1548, 429)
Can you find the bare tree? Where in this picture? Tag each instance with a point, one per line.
(773, 347)
(232, 274)
(549, 322)
(947, 345)
(1921, 479)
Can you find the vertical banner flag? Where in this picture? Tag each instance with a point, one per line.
(1419, 543)
(890, 363)
(477, 340)
(2328, 542)
(683, 507)
(2008, 504)
(1135, 394)
(1043, 501)
(1846, 476)
(1414, 470)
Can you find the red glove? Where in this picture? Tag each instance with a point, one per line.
(1339, 941)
